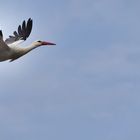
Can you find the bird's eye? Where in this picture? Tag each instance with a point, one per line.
(39, 41)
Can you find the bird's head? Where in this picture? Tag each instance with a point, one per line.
(41, 43)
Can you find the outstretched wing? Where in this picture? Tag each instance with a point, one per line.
(22, 33)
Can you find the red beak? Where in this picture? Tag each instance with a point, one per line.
(47, 43)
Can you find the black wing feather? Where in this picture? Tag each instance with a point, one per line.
(15, 33)
(22, 33)
(29, 27)
(19, 30)
(1, 34)
(24, 29)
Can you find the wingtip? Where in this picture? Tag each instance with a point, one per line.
(30, 20)
(1, 34)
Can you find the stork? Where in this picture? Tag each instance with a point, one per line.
(9, 48)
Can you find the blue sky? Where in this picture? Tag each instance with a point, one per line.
(84, 88)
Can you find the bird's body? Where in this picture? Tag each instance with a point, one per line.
(9, 49)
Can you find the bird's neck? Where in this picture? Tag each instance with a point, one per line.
(22, 51)
(17, 52)
(30, 48)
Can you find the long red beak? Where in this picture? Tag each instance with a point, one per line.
(47, 43)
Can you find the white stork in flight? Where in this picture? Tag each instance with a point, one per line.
(9, 49)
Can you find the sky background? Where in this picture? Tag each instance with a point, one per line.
(87, 87)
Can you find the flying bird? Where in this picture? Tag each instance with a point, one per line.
(9, 48)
